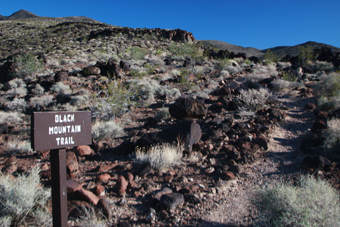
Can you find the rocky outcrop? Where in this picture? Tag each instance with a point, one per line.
(177, 35)
(186, 107)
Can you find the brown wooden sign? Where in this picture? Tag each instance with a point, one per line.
(57, 130)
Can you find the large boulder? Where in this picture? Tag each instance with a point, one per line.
(188, 131)
(186, 107)
(6, 70)
(61, 76)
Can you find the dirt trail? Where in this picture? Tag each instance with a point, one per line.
(280, 161)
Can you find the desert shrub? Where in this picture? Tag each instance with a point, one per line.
(319, 66)
(137, 53)
(162, 114)
(17, 87)
(117, 100)
(270, 56)
(27, 65)
(38, 90)
(328, 90)
(160, 157)
(10, 117)
(106, 130)
(332, 136)
(149, 88)
(60, 88)
(280, 84)
(23, 200)
(43, 101)
(311, 203)
(16, 146)
(305, 55)
(253, 99)
(233, 69)
(18, 105)
(184, 49)
(220, 65)
(79, 100)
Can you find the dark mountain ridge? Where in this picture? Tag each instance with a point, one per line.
(279, 51)
(24, 14)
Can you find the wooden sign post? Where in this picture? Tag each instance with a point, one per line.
(55, 131)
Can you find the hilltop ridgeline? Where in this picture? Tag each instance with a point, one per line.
(177, 35)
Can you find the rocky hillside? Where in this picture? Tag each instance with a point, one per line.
(178, 128)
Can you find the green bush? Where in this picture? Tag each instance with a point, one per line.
(310, 203)
(137, 53)
(306, 54)
(117, 100)
(270, 56)
(27, 65)
(23, 201)
(184, 49)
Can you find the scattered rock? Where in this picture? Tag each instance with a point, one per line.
(84, 150)
(315, 162)
(146, 171)
(61, 76)
(87, 196)
(99, 190)
(163, 191)
(103, 207)
(103, 178)
(121, 185)
(318, 126)
(71, 162)
(171, 200)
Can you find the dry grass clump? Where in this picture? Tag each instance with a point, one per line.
(149, 88)
(18, 104)
(61, 88)
(332, 135)
(311, 203)
(23, 200)
(107, 130)
(43, 100)
(10, 117)
(17, 87)
(90, 218)
(253, 99)
(280, 84)
(161, 156)
(16, 146)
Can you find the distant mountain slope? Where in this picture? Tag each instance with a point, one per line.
(250, 51)
(21, 14)
(280, 51)
(24, 14)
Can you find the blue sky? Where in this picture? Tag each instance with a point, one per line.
(250, 23)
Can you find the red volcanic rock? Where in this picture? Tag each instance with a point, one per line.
(84, 150)
(121, 185)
